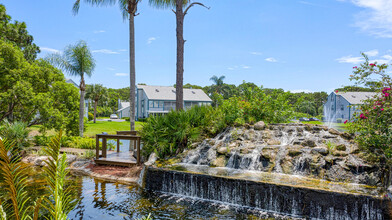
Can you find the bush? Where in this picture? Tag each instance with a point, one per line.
(81, 143)
(41, 140)
(16, 132)
(90, 116)
(126, 118)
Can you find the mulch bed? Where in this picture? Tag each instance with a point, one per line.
(117, 171)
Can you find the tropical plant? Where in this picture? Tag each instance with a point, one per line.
(60, 201)
(373, 122)
(77, 60)
(16, 131)
(181, 9)
(14, 181)
(129, 11)
(219, 85)
(96, 92)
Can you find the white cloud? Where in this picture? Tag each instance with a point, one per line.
(271, 59)
(122, 50)
(150, 40)
(350, 59)
(121, 74)
(230, 68)
(50, 50)
(245, 67)
(256, 53)
(106, 51)
(384, 59)
(111, 69)
(99, 31)
(309, 3)
(372, 53)
(376, 18)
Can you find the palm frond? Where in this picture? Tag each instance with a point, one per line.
(14, 174)
(60, 202)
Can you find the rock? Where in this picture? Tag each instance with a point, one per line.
(334, 131)
(300, 129)
(269, 153)
(259, 125)
(309, 143)
(320, 150)
(81, 163)
(354, 149)
(222, 150)
(294, 152)
(219, 162)
(287, 166)
(341, 147)
(40, 161)
(273, 142)
(328, 136)
(340, 153)
(151, 159)
(70, 158)
(347, 136)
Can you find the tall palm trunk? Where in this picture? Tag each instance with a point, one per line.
(180, 55)
(95, 110)
(81, 106)
(132, 68)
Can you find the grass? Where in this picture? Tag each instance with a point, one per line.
(108, 126)
(96, 128)
(338, 126)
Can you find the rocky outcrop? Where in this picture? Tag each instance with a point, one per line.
(309, 150)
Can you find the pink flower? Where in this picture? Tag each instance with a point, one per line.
(362, 116)
(372, 64)
(355, 67)
(382, 109)
(374, 107)
(386, 94)
(345, 121)
(336, 91)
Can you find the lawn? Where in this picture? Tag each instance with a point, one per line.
(96, 128)
(338, 126)
(108, 126)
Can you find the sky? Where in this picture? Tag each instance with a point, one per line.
(297, 45)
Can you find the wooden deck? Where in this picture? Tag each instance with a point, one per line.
(117, 158)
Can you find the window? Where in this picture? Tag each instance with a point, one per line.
(156, 104)
(342, 107)
(150, 104)
(160, 104)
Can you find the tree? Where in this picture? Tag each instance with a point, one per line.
(181, 9)
(77, 60)
(129, 10)
(219, 85)
(96, 93)
(17, 34)
(35, 92)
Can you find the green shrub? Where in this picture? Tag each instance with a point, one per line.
(90, 116)
(17, 132)
(90, 154)
(126, 118)
(41, 140)
(81, 143)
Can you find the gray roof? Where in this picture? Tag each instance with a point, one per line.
(71, 82)
(356, 98)
(169, 93)
(123, 105)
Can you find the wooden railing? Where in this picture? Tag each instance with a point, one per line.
(121, 135)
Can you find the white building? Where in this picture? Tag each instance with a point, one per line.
(158, 100)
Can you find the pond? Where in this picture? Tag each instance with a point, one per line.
(106, 200)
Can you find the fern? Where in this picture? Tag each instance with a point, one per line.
(14, 174)
(60, 202)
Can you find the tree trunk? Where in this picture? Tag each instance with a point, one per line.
(95, 110)
(81, 106)
(132, 68)
(180, 55)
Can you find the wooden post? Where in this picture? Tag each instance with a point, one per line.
(138, 151)
(97, 147)
(104, 148)
(118, 145)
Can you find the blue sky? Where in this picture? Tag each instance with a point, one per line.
(296, 45)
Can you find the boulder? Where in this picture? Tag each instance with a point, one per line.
(309, 143)
(259, 125)
(340, 153)
(151, 159)
(334, 131)
(222, 150)
(273, 142)
(321, 150)
(341, 147)
(293, 152)
(219, 162)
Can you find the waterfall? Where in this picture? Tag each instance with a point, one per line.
(298, 202)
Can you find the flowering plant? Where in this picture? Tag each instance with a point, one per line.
(373, 123)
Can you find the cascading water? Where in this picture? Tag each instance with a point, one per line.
(257, 167)
(329, 116)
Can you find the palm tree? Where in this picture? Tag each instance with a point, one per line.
(77, 60)
(128, 9)
(219, 85)
(182, 7)
(96, 92)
